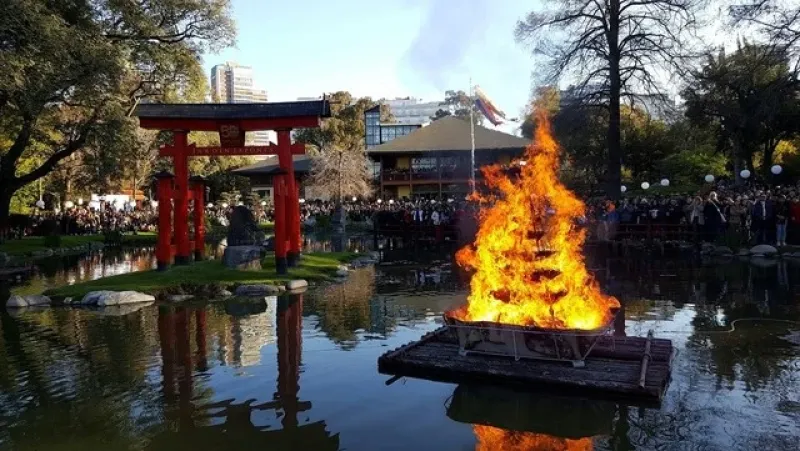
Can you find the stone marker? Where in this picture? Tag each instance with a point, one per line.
(242, 257)
(244, 230)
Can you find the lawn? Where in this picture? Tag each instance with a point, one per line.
(314, 266)
(36, 243)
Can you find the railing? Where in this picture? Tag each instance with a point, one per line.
(407, 175)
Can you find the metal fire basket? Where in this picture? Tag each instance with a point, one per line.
(527, 342)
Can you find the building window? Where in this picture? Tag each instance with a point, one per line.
(376, 170)
(423, 165)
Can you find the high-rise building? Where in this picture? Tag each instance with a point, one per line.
(233, 83)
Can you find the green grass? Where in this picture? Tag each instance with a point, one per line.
(314, 266)
(36, 243)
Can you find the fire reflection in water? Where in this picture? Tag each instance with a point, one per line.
(522, 421)
(493, 439)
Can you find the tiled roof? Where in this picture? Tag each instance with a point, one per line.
(268, 110)
(269, 166)
(451, 134)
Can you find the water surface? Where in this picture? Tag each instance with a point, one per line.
(300, 372)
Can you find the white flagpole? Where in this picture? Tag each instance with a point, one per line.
(471, 136)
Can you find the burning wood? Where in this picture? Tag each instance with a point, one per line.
(527, 256)
(526, 342)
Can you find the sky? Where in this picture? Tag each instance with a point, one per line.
(383, 48)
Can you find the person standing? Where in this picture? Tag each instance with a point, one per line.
(781, 218)
(714, 219)
(761, 216)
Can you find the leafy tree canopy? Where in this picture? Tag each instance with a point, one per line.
(74, 70)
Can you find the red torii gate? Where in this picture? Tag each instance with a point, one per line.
(231, 121)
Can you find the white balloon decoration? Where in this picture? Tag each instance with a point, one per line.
(40, 204)
(777, 169)
(745, 174)
(709, 178)
(623, 188)
(645, 185)
(664, 182)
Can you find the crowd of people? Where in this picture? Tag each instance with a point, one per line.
(753, 214)
(83, 220)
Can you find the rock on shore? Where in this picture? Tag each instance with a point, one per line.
(27, 301)
(105, 298)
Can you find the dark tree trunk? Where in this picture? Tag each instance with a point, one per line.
(5, 212)
(614, 172)
(769, 151)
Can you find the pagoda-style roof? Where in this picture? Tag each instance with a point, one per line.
(250, 116)
(233, 111)
(451, 134)
(269, 166)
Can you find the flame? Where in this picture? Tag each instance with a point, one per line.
(527, 258)
(495, 439)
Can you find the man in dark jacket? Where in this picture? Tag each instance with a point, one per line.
(714, 219)
(763, 216)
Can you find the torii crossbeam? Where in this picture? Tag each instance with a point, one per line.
(231, 121)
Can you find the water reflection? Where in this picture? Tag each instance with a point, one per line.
(231, 423)
(58, 271)
(300, 373)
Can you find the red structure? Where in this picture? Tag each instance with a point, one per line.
(231, 121)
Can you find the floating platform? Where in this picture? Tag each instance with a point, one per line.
(633, 369)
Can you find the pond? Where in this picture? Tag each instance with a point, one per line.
(300, 372)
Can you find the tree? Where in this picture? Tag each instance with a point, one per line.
(338, 172)
(547, 98)
(75, 70)
(339, 165)
(458, 104)
(613, 49)
(750, 98)
(778, 20)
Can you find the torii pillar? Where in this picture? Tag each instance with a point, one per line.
(290, 198)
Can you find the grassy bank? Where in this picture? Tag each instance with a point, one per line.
(315, 266)
(31, 244)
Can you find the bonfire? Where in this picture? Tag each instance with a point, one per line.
(527, 258)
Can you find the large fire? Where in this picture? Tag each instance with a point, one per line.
(494, 439)
(527, 258)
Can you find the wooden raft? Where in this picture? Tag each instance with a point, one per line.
(613, 370)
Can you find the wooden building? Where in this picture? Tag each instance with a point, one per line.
(261, 173)
(435, 160)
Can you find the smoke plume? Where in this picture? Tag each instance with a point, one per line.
(447, 32)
